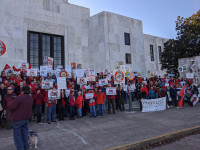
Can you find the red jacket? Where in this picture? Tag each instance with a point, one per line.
(145, 90)
(101, 97)
(38, 98)
(79, 101)
(72, 100)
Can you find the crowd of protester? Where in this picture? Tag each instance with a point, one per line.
(77, 106)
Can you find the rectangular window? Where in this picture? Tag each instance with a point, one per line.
(160, 52)
(151, 53)
(127, 38)
(128, 58)
(40, 45)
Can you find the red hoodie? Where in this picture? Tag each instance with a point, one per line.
(79, 101)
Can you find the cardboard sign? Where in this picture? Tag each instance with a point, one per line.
(79, 73)
(47, 85)
(61, 82)
(67, 93)
(111, 91)
(91, 78)
(89, 95)
(150, 105)
(53, 94)
(103, 82)
(32, 72)
(119, 76)
(189, 75)
(43, 71)
(82, 81)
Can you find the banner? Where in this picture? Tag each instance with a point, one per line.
(32, 72)
(89, 95)
(67, 93)
(111, 91)
(46, 85)
(61, 83)
(53, 94)
(194, 99)
(119, 77)
(91, 78)
(79, 73)
(43, 71)
(82, 81)
(103, 82)
(150, 105)
(189, 75)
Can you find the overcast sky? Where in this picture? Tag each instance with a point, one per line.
(158, 16)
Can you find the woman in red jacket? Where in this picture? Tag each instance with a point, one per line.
(79, 102)
(38, 98)
(101, 97)
(72, 103)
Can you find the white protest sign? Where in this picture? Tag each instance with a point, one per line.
(119, 76)
(53, 94)
(150, 105)
(91, 78)
(32, 72)
(89, 95)
(43, 71)
(68, 68)
(132, 87)
(67, 93)
(194, 99)
(125, 87)
(189, 75)
(82, 81)
(111, 91)
(47, 85)
(103, 82)
(79, 73)
(61, 82)
(167, 84)
(91, 72)
(23, 65)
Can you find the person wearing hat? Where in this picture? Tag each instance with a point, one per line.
(79, 102)
(21, 112)
(8, 98)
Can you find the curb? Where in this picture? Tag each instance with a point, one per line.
(158, 140)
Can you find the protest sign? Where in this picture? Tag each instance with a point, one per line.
(32, 72)
(50, 62)
(89, 95)
(119, 76)
(111, 91)
(194, 99)
(63, 74)
(79, 73)
(91, 72)
(150, 105)
(53, 94)
(47, 85)
(167, 84)
(132, 87)
(91, 78)
(103, 82)
(61, 83)
(43, 71)
(67, 93)
(125, 87)
(82, 81)
(57, 73)
(68, 68)
(23, 65)
(189, 75)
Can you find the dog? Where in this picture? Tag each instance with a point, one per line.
(33, 139)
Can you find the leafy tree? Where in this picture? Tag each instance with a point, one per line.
(187, 43)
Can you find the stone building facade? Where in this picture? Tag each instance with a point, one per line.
(33, 29)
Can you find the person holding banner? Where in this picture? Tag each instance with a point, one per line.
(111, 101)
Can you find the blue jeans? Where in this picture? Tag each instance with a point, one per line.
(132, 95)
(39, 112)
(79, 112)
(92, 111)
(71, 112)
(51, 113)
(100, 109)
(20, 133)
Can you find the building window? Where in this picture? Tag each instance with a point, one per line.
(160, 52)
(40, 45)
(128, 58)
(151, 53)
(127, 38)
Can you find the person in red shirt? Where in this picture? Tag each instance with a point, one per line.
(92, 105)
(79, 102)
(72, 102)
(38, 98)
(101, 97)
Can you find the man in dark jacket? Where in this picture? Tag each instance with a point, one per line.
(3, 91)
(21, 111)
(173, 95)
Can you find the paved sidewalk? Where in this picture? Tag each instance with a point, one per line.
(110, 131)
